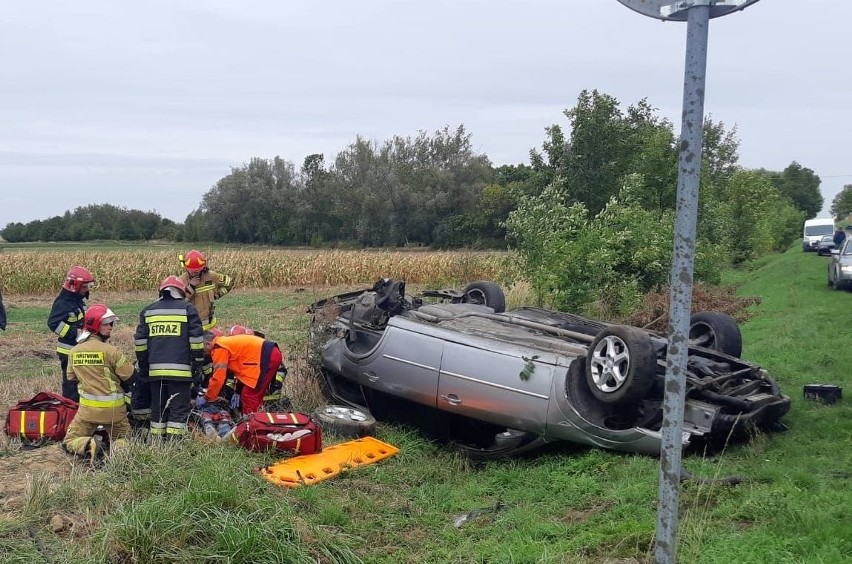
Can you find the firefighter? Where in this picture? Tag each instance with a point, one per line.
(203, 286)
(170, 350)
(66, 320)
(253, 360)
(2, 314)
(102, 372)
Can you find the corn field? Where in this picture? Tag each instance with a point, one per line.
(37, 272)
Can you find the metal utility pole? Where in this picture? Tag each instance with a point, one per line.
(697, 14)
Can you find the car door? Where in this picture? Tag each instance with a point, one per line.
(505, 387)
(406, 364)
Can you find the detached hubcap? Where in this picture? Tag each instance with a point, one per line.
(344, 413)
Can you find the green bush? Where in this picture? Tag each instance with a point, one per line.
(601, 264)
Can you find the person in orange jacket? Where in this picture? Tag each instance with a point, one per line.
(254, 362)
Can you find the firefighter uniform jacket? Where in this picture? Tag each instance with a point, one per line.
(66, 317)
(212, 287)
(246, 356)
(169, 341)
(100, 369)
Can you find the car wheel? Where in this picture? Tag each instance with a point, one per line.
(486, 293)
(345, 421)
(621, 365)
(717, 331)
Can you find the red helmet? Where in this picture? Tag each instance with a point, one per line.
(175, 282)
(76, 278)
(194, 261)
(97, 315)
(240, 330)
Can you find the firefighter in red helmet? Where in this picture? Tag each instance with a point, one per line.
(203, 286)
(170, 351)
(66, 320)
(102, 372)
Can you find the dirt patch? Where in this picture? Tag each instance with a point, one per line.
(20, 467)
(579, 515)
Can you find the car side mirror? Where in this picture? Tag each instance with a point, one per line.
(835, 251)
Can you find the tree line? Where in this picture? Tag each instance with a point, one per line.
(435, 189)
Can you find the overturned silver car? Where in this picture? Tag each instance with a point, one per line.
(500, 383)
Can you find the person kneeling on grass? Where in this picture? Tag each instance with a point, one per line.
(102, 373)
(254, 362)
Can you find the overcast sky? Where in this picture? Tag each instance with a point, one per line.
(147, 104)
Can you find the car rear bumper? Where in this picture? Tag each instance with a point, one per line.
(763, 417)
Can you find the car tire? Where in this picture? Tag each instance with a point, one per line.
(621, 365)
(717, 331)
(486, 293)
(345, 421)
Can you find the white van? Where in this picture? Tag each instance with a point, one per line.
(814, 231)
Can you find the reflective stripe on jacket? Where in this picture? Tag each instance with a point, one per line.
(246, 356)
(212, 287)
(100, 368)
(65, 318)
(169, 341)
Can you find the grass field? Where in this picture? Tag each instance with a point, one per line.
(199, 502)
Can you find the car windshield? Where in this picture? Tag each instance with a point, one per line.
(814, 230)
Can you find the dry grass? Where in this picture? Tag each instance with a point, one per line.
(26, 272)
(654, 311)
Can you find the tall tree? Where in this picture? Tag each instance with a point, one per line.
(249, 205)
(604, 145)
(841, 205)
(801, 185)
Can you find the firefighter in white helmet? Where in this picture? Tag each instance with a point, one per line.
(102, 373)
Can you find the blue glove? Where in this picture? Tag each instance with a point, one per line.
(200, 401)
(235, 401)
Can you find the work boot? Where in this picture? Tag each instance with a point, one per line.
(95, 451)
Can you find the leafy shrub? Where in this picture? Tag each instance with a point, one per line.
(602, 264)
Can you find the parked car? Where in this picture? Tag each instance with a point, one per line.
(500, 383)
(825, 245)
(840, 266)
